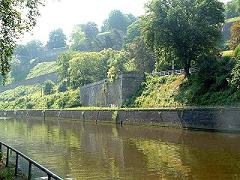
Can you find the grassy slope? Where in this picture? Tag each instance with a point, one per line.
(175, 91)
(42, 69)
(160, 92)
(30, 97)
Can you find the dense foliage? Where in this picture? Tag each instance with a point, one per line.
(57, 39)
(186, 30)
(82, 68)
(232, 9)
(172, 34)
(16, 18)
(235, 35)
(48, 87)
(33, 59)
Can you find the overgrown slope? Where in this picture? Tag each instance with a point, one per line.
(32, 97)
(42, 69)
(175, 91)
(160, 92)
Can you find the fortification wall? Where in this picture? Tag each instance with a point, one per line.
(106, 94)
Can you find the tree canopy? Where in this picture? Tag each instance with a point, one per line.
(118, 20)
(235, 35)
(187, 29)
(16, 18)
(57, 39)
(232, 9)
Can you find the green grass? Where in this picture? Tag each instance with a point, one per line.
(42, 69)
(7, 173)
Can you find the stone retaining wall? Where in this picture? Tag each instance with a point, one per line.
(106, 94)
(199, 118)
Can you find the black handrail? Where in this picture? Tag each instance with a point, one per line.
(30, 161)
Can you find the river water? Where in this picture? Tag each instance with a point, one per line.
(82, 150)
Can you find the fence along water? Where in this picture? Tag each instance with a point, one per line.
(31, 162)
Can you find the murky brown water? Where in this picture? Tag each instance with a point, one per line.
(89, 151)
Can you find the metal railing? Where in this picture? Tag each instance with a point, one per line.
(176, 71)
(30, 163)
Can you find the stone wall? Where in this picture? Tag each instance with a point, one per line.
(32, 81)
(106, 94)
(220, 119)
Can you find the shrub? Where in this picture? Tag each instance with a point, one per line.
(235, 76)
(63, 86)
(237, 52)
(48, 87)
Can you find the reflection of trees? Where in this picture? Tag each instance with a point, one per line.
(84, 150)
(162, 158)
(198, 155)
(67, 148)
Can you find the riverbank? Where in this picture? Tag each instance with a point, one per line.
(219, 119)
(6, 173)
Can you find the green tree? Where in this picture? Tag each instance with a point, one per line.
(57, 39)
(78, 39)
(188, 29)
(117, 64)
(87, 68)
(48, 87)
(232, 9)
(142, 57)
(31, 50)
(116, 20)
(130, 19)
(235, 35)
(90, 30)
(63, 65)
(63, 86)
(113, 40)
(133, 32)
(16, 18)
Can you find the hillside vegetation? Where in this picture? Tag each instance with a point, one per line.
(33, 97)
(42, 69)
(160, 92)
(129, 44)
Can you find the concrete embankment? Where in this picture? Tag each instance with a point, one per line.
(227, 119)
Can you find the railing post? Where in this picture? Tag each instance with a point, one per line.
(0, 147)
(49, 177)
(7, 160)
(16, 166)
(30, 171)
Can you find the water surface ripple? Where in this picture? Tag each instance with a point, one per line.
(82, 150)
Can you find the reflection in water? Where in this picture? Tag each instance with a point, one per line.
(84, 150)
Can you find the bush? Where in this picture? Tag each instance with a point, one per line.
(48, 87)
(69, 99)
(235, 76)
(86, 68)
(237, 52)
(63, 86)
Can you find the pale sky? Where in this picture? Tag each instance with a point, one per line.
(67, 13)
